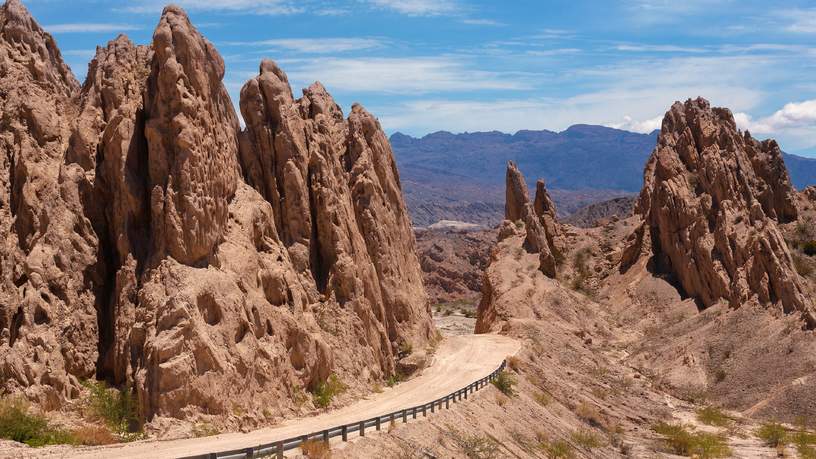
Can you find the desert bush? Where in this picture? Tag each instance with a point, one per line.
(591, 415)
(682, 441)
(579, 263)
(326, 390)
(542, 398)
(115, 407)
(18, 423)
(772, 434)
(504, 382)
(586, 438)
(558, 449)
(713, 416)
(394, 379)
(513, 363)
(809, 248)
(314, 449)
(204, 429)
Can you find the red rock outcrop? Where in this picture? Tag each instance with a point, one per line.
(810, 193)
(711, 204)
(150, 242)
(540, 223)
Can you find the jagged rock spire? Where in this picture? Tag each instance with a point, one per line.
(711, 203)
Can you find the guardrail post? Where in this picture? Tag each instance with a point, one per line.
(466, 389)
(414, 412)
(378, 424)
(304, 439)
(432, 407)
(405, 416)
(250, 453)
(344, 432)
(280, 450)
(447, 402)
(362, 428)
(325, 436)
(424, 411)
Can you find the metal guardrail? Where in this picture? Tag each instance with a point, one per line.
(278, 448)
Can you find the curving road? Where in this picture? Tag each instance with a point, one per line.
(458, 361)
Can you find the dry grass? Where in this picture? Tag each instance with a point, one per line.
(94, 436)
(314, 449)
(591, 415)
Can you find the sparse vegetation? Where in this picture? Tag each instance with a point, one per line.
(586, 438)
(504, 382)
(804, 441)
(513, 363)
(325, 391)
(809, 248)
(114, 407)
(542, 398)
(591, 415)
(204, 429)
(579, 263)
(558, 449)
(475, 446)
(93, 435)
(713, 416)
(681, 440)
(394, 379)
(18, 423)
(772, 434)
(314, 449)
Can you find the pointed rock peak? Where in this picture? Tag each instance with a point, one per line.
(270, 66)
(33, 50)
(321, 102)
(544, 205)
(516, 194)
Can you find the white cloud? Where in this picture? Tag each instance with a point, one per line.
(794, 116)
(89, 27)
(645, 126)
(418, 7)
(420, 75)
(316, 45)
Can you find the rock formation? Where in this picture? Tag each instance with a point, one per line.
(711, 204)
(148, 241)
(810, 193)
(540, 223)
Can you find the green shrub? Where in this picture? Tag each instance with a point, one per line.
(394, 379)
(772, 434)
(325, 391)
(713, 416)
(682, 441)
(504, 382)
(18, 424)
(809, 248)
(804, 442)
(115, 407)
(588, 439)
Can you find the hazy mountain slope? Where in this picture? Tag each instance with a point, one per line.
(459, 176)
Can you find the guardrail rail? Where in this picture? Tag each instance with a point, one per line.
(278, 448)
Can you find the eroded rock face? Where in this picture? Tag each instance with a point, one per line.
(539, 221)
(49, 265)
(149, 242)
(711, 203)
(810, 193)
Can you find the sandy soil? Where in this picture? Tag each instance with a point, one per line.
(458, 361)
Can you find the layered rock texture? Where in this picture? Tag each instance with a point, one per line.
(150, 242)
(543, 234)
(712, 203)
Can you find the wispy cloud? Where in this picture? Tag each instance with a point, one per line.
(410, 75)
(263, 7)
(800, 20)
(645, 126)
(89, 27)
(418, 7)
(644, 48)
(316, 45)
(483, 22)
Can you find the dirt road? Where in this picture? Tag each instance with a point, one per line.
(459, 361)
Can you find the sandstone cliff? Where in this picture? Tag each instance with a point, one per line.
(149, 241)
(711, 205)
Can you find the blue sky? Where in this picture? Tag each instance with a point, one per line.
(467, 65)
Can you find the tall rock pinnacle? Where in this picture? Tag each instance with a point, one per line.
(711, 203)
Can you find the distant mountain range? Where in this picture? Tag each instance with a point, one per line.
(446, 176)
